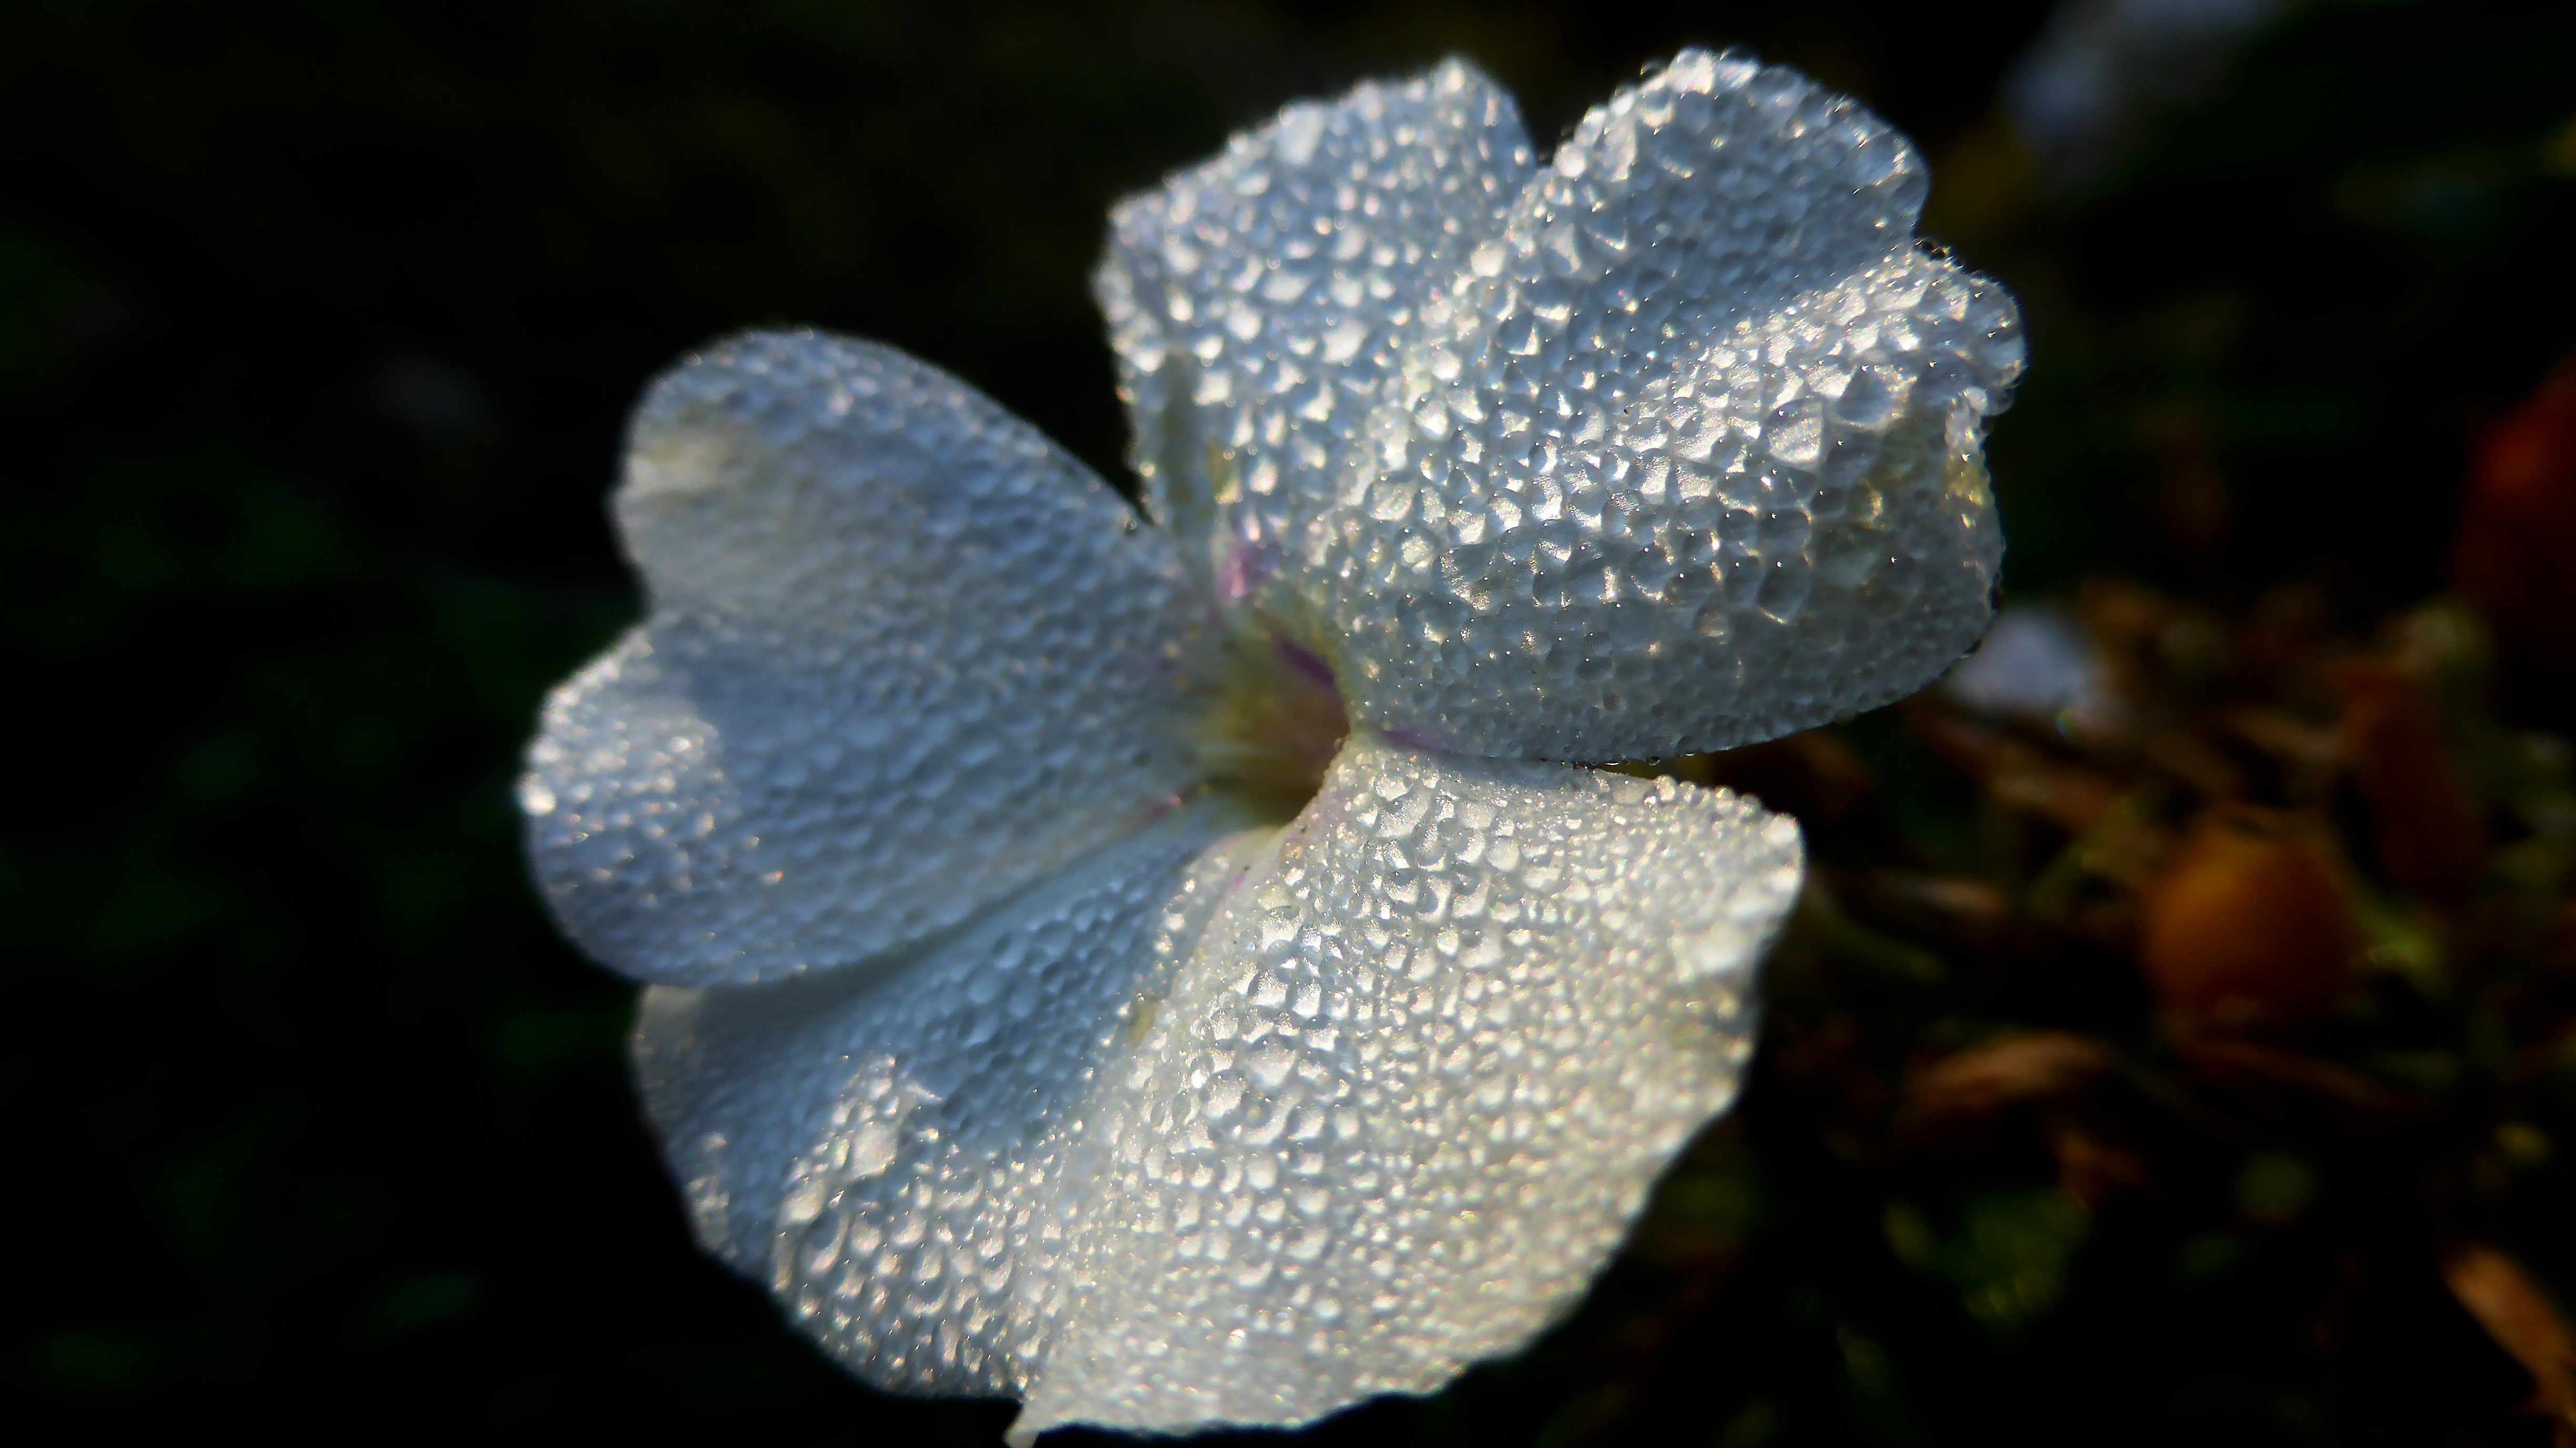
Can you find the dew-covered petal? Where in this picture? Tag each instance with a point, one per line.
(1381, 1090)
(1700, 463)
(898, 1153)
(1403, 1099)
(904, 657)
(1259, 302)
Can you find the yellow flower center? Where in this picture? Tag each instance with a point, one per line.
(1275, 726)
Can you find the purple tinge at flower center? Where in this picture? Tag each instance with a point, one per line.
(1277, 723)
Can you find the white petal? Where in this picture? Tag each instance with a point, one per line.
(1675, 446)
(1405, 1097)
(1707, 465)
(904, 658)
(1384, 1118)
(1258, 302)
(899, 1153)
(2037, 663)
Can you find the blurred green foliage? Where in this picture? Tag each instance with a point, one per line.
(317, 326)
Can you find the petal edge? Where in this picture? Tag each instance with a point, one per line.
(904, 658)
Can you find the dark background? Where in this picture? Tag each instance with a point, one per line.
(317, 327)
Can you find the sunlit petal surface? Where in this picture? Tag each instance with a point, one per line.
(1242, 1126)
(1260, 303)
(1680, 448)
(904, 659)
(1406, 1094)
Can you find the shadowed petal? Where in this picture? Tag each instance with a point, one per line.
(1407, 1093)
(904, 658)
(898, 1154)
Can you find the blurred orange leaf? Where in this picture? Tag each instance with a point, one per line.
(1989, 1078)
(2247, 926)
(2518, 528)
(2291, 1078)
(2520, 1318)
(2431, 838)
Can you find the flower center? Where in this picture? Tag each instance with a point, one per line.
(1277, 722)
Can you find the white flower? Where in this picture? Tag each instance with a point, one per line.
(1042, 1003)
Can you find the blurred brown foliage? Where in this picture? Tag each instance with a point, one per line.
(2308, 893)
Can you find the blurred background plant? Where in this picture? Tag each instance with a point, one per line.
(2179, 1040)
